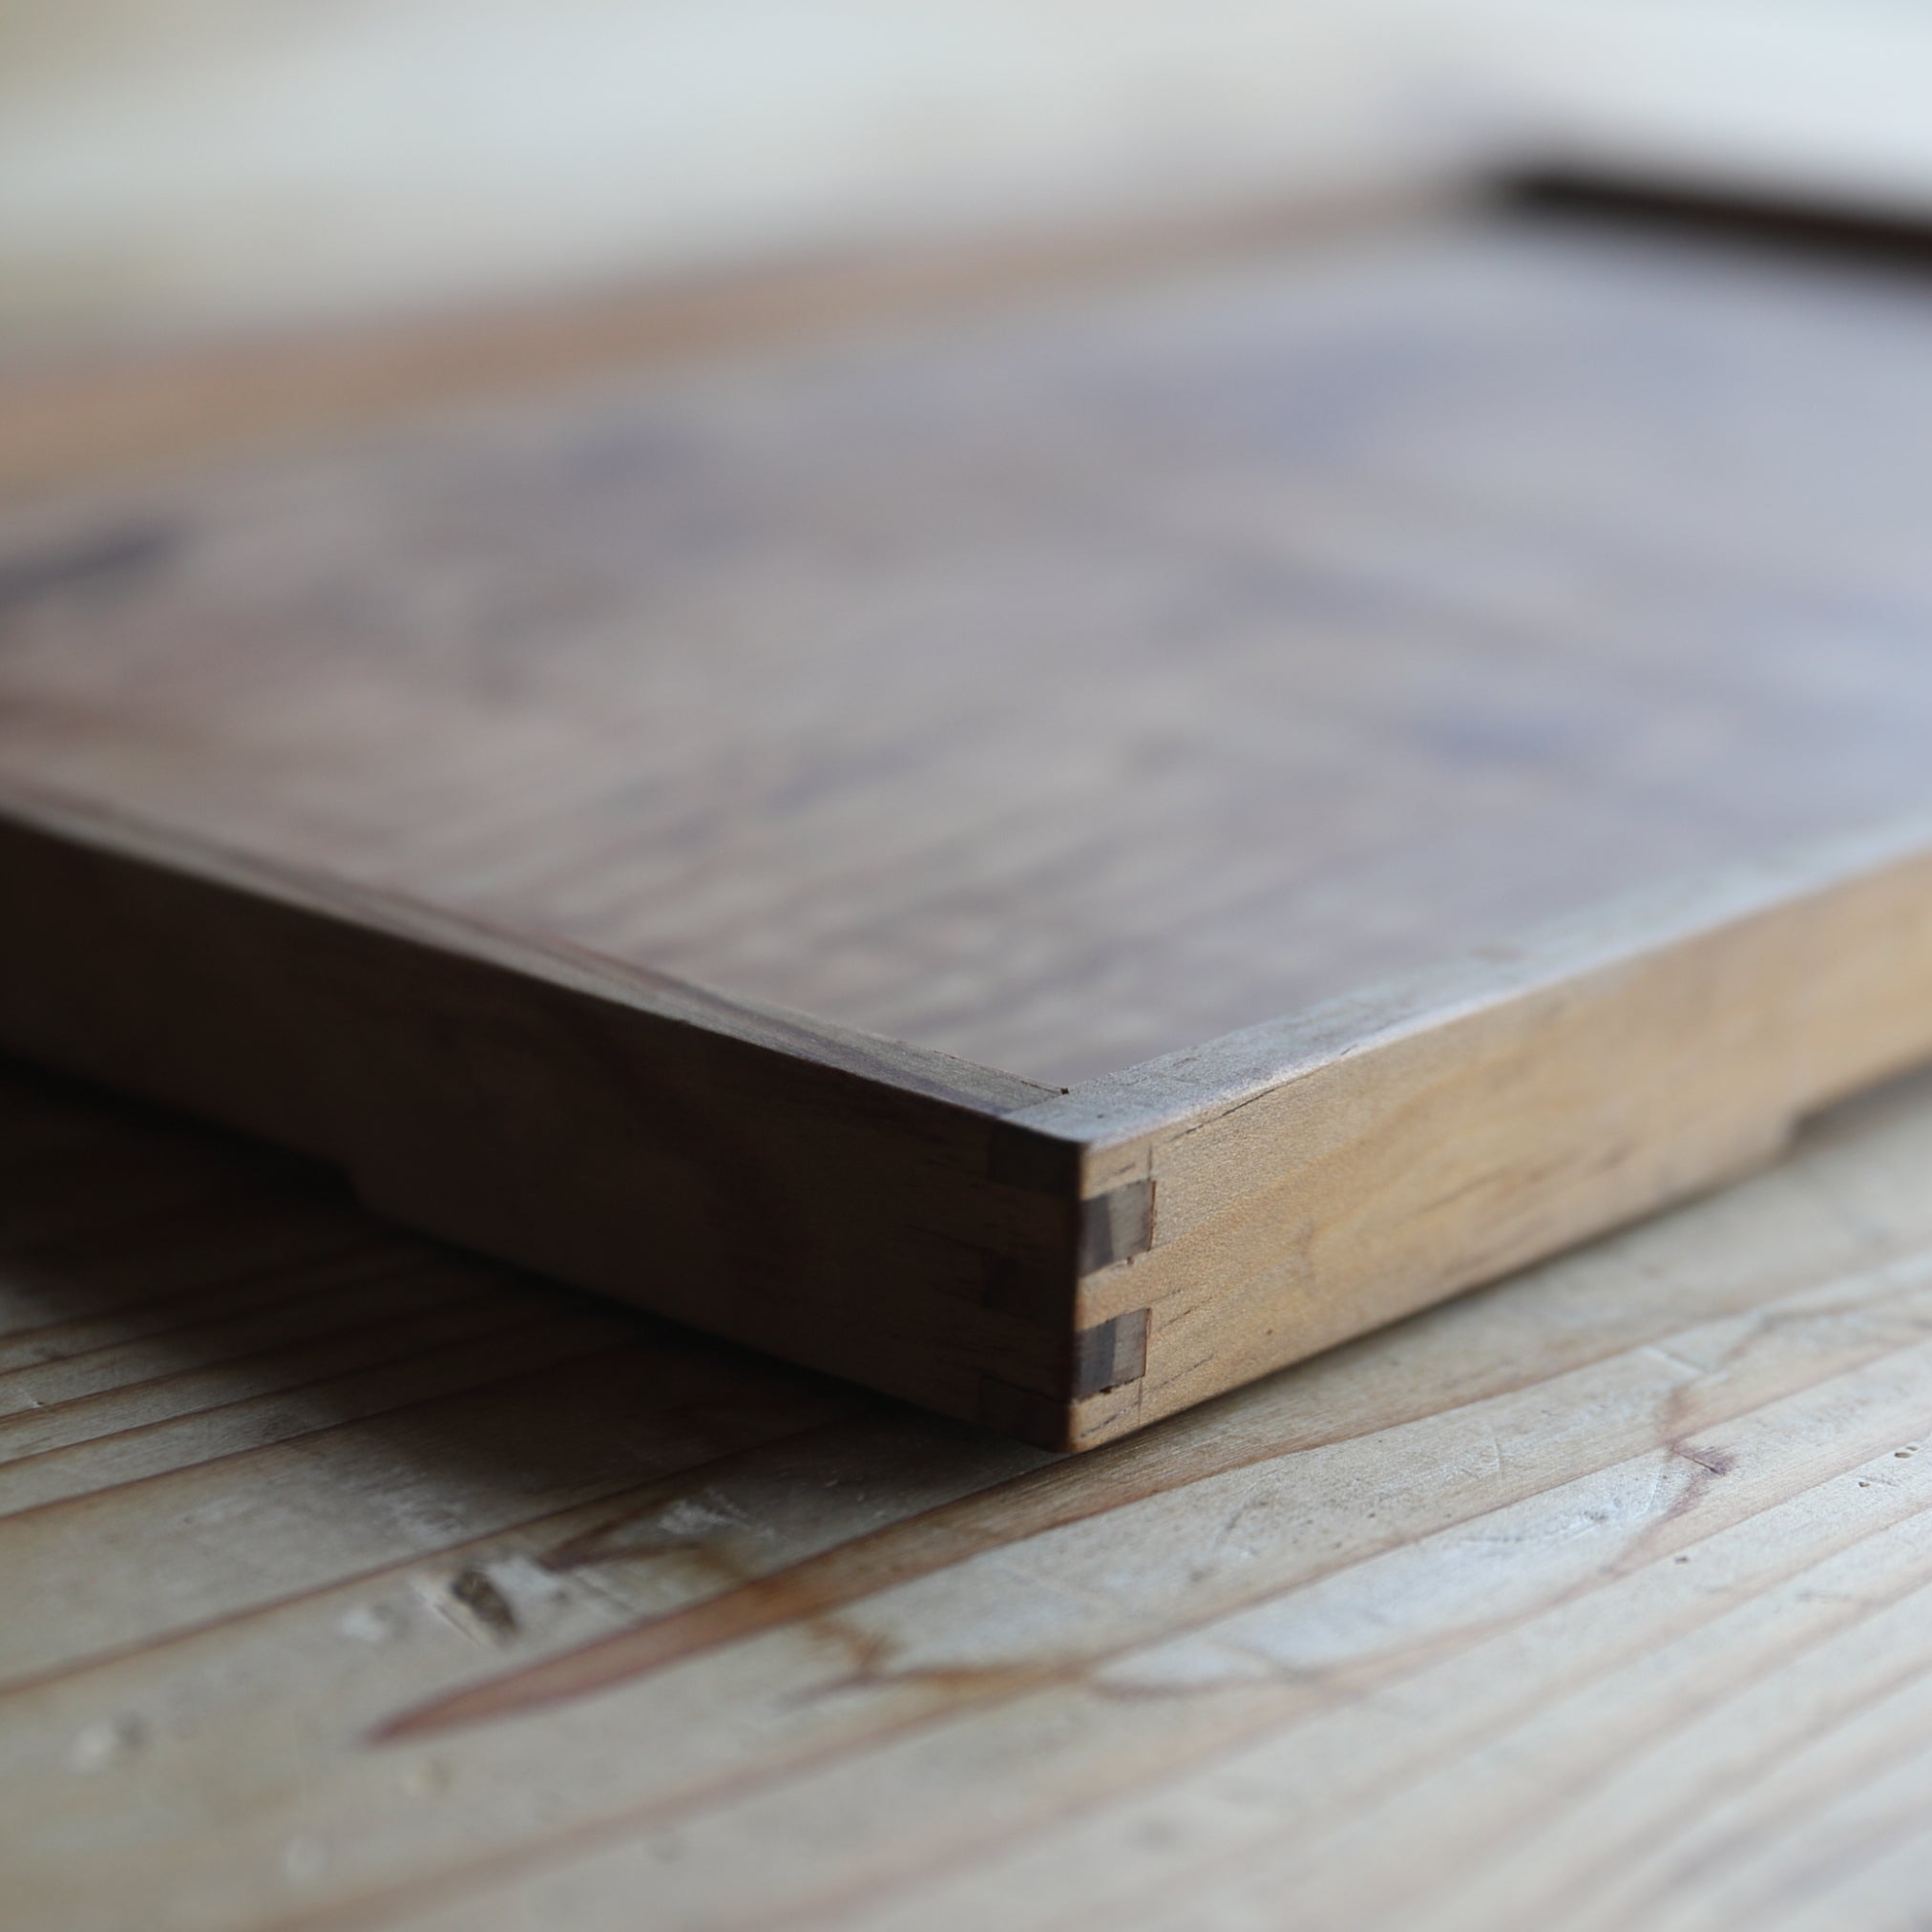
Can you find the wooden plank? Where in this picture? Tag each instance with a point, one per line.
(1057, 690)
(1601, 1593)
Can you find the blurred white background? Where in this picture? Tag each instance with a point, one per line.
(171, 166)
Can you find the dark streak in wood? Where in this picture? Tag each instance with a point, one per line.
(106, 560)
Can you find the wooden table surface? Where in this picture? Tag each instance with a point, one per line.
(347, 1582)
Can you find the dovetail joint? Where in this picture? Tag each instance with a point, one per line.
(1110, 1354)
(1115, 1225)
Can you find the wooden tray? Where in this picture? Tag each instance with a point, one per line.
(820, 841)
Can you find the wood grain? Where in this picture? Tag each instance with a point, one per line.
(1068, 685)
(1593, 1601)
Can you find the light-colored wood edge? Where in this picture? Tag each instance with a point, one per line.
(1064, 1267)
(1307, 1179)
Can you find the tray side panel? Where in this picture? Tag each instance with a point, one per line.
(1314, 1179)
(849, 1205)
